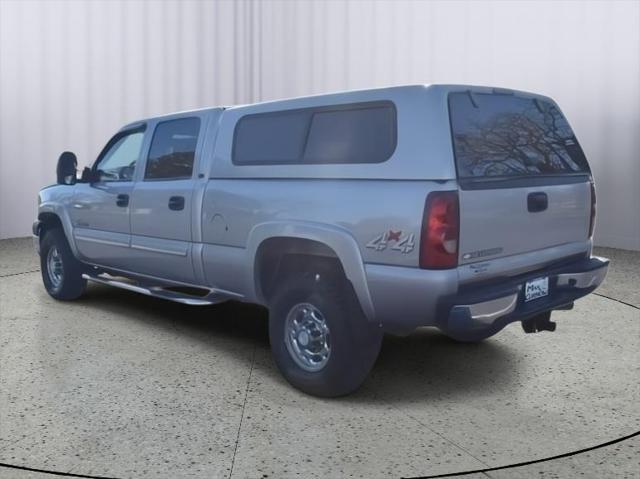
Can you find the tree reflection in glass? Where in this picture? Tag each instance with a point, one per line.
(507, 135)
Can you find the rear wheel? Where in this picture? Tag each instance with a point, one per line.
(320, 339)
(61, 271)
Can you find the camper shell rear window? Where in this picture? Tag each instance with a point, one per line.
(505, 136)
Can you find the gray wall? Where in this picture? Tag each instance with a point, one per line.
(73, 72)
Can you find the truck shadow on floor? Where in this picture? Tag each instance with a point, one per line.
(428, 366)
(424, 366)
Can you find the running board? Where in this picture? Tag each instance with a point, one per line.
(212, 297)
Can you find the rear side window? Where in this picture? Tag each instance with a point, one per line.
(173, 149)
(357, 133)
(503, 135)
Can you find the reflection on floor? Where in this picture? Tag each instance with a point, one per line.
(123, 385)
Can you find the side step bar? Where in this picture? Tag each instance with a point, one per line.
(212, 297)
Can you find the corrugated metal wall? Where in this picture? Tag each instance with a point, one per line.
(72, 72)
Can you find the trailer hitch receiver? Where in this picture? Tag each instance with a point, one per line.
(540, 322)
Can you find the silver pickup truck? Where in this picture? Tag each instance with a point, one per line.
(347, 215)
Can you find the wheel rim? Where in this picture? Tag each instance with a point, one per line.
(307, 337)
(55, 270)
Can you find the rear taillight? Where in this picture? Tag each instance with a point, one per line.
(440, 231)
(592, 221)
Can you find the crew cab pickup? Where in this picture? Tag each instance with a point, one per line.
(347, 215)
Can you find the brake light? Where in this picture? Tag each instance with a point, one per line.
(592, 221)
(440, 231)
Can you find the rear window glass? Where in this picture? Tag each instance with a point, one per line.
(173, 149)
(502, 135)
(357, 133)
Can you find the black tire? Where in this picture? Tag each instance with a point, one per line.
(70, 284)
(354, 341)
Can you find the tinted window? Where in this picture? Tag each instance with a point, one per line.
(500, 135)
(118, 163)
(359, 133)
(173, 149)
(366, 135)
(271, 138)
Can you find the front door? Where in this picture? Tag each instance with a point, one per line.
(161, 204)
(100, 210)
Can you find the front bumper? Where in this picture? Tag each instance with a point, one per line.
(493, 306)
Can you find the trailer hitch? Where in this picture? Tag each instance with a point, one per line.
(540, 322)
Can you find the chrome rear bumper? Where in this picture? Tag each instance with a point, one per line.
(586, 279)
(488, 311)
(505, 303)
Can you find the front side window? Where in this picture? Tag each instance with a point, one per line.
(503, 135)
(355, 133)
(118, 163)
(173, 149)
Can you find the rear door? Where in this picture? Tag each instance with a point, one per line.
(524, 180)
(162, 201)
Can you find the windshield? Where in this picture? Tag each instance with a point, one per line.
(503, 135)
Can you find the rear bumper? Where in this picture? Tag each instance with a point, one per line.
(495, 305)
(407, 298)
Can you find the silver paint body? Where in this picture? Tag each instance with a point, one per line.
(230, 210)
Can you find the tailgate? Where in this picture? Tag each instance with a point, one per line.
(499, 222)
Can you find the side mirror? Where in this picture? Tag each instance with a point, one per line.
(66, 169)
(88, 175)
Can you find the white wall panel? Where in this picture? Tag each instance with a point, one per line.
(72, 72)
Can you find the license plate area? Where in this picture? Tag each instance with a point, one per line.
(536, 288)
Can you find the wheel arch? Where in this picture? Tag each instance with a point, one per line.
(269, 243)
(51, 216)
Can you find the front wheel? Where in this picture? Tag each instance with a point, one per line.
(320, 339)
(61, 271)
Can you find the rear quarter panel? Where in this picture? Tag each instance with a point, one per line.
(365, 209)
(368, 202)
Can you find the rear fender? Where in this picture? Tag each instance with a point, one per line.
(337, 239)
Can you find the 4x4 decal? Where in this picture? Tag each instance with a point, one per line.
(393, 240)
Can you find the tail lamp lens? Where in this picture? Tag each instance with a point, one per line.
(440, 231)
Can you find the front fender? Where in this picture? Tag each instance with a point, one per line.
(55, 208)
(338, 239)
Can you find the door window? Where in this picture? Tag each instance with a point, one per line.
(173, 149)
(118, 163)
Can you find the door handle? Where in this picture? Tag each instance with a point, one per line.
(176, 203)
(122, 200)
(537, 201)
